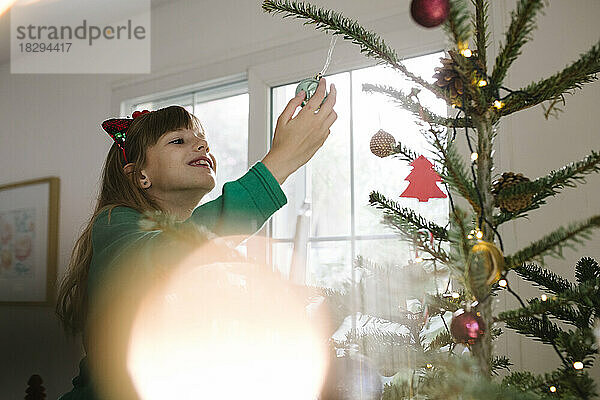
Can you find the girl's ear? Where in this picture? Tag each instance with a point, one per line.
(143, 179)
(128, 169)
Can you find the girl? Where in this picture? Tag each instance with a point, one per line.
(161, 162)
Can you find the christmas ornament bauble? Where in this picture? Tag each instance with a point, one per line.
(429, 13)
(467, 327)
(382, 144)
(487, 258)
(309, 85)
(513, 203)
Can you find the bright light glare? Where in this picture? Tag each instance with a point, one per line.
(228, 331)
(5, 5)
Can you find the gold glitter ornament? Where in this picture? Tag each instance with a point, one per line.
(514, 203)
(485, 255)
(382, 144)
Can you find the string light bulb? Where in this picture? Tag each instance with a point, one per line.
(455, 295)
(502, 282)
(482, 83)
(479, 235)
(474, 156)
(578, 365)
(553, 389)
(544, 297)
(429, 366)
(466, 52)
(498, 104)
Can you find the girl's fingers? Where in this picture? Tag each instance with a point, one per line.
(329, 120)
(317, 97)
(289, 110)
(327, 106)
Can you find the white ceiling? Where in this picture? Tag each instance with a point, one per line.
(5, 30)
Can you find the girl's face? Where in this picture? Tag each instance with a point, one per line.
(169, 164)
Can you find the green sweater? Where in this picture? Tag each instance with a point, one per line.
(242, 209)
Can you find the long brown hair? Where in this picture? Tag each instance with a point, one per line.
(118, 189)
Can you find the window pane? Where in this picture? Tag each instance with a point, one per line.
(185, 101)
(225, 123)
(374, 111)
(282, 258)
(382, 251)
(329, 264)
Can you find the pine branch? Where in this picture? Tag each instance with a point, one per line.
(555, 87)
(518, 33)
(370, 43)
(456, 378)
(414, 107)
(579, 345)
(558, 307)
(570, 384)
(587, 270)
(439, 303)
(460, 244)
(480, 24)
(456, 174)
(500, 362)
(402, 216)
(543, 277)
(549, 185)
(404, 153)
(554, 243)
(457, 24)
(441, 340)
(539, 329)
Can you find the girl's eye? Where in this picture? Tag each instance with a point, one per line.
(173, 141)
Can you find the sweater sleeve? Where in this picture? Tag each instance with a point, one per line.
(244, 206)
(242, 209)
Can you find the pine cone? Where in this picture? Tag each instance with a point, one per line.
(382, 144)
(447, 75)
(447, 78)
(516, 202)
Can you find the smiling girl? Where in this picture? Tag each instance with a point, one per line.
(160, 161)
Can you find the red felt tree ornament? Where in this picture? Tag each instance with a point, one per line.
(423, 180)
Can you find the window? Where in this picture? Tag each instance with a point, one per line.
(337, 181)
(223, 112)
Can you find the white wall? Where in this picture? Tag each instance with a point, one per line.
(50, 126)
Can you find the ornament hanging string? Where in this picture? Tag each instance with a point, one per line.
(329, 53)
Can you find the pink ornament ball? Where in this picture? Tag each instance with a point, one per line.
(467, 327)
(429, 13)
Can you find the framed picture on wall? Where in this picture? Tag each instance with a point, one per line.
(29, 241)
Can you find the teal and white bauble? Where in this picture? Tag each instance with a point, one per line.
(309, 85)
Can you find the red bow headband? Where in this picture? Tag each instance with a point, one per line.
(117, 128)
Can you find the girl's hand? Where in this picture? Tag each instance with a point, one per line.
(297, 139)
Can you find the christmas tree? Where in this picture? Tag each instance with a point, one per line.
(470, 248)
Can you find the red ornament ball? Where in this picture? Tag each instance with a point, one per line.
(467, 327)
(429, 13)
